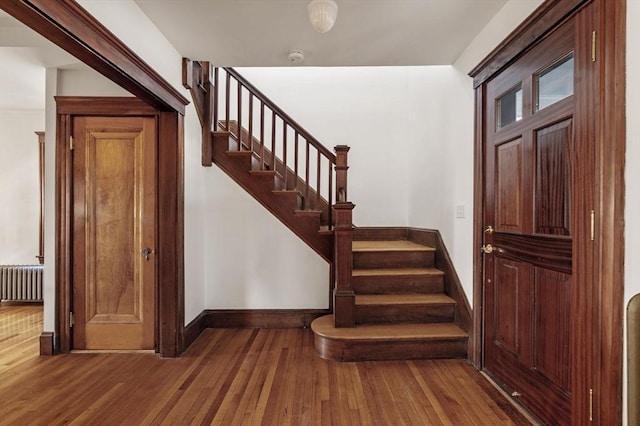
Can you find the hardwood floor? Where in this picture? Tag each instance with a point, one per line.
(234, 377)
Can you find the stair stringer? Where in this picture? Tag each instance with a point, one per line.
(282, 204)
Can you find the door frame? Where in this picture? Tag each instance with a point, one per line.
(169, 281)
(598, 339)
(71, 27)
(67, 109)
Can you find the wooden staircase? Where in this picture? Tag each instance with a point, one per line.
(401, 309)
(395, 292)
(267, 187)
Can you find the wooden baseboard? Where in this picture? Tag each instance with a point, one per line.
(193, 329)
(250, 318)
(263, 318)
(46, 343)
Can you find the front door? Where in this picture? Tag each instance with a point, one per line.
(114, 204)
(528, 219)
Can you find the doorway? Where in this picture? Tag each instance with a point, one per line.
(107, 160)
(549, 174)
(529, 226)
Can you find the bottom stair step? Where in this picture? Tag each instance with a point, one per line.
(375, 342)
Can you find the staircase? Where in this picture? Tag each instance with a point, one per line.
(391, 298)
(401, 309)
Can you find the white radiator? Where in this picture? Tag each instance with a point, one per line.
(21, 282)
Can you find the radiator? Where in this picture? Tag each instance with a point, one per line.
(21, 282)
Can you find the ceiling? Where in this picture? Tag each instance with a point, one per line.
(367, 32)
(262, 32)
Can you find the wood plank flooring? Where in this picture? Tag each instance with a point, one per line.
(234, 377)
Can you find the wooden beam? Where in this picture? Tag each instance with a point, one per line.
(71, 27)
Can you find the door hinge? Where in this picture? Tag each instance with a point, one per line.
(593, 225)
(594, 39)
(70, 143)
(591, 405)
(72, 320)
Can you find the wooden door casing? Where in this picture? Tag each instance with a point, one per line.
(114, 164)
(528, 204)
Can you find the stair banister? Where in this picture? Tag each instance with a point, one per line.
(280, 113)
(343, 295)
(197, 77)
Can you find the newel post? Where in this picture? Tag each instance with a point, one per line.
(343, 296)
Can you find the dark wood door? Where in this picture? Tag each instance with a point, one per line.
(529, 226)
(114, 196)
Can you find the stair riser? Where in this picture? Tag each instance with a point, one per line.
(393, 259)
(372, 350)
(398, 284)
(379, 314)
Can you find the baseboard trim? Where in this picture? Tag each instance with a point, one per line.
(193, 329)
(250, 318)
(46, 343)
(263, 318)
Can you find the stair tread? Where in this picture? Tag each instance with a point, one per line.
(396, 272)
(404, 299)
(323, 326)
(397, 245)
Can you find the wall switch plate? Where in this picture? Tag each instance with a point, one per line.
(460, 212)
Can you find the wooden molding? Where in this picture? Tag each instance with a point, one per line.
(46, 343)
(194, 329)
(249, 318)
(262, 318)
(529, 32)
(170, 211)
(68, 25)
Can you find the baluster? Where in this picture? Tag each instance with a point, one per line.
(239, 116)
(330, 198)
(284, 152)
(295, 166)
(215, 99)
(318, 170)
(261, 135)
(273, 140)
(250, 121)
(306, 177)
(227, 96)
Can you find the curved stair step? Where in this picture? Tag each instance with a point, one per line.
(372, 342)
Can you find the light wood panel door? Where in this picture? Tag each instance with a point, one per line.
(528, 265)
(114, 231)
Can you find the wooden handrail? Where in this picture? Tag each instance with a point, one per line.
(280, 113)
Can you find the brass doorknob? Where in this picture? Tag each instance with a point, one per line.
(146, 252)
(487, 249)
(489, 230)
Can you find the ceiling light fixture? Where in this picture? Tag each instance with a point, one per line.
(323, 14)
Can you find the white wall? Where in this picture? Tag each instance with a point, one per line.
(236, 254)
(19, 186)
(632, 172)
